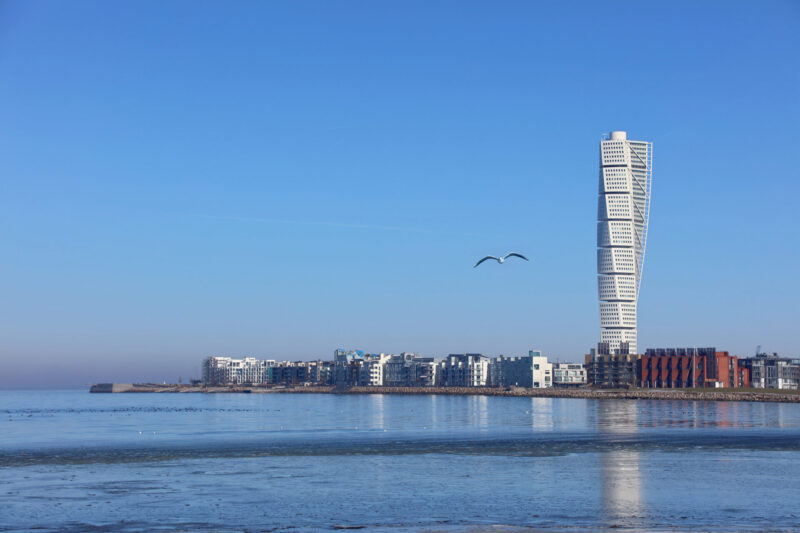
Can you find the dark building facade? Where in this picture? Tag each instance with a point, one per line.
(611, 371)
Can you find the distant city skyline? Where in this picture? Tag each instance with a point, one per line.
(280, 179)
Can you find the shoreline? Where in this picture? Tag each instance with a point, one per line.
(724, 395)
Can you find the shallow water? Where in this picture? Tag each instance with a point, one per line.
(70, 460)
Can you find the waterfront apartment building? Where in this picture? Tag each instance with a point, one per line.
(227, 371)
(346, 366)
(530, 371)
(673, 368)
(300, 372)
(612, 371)
(569, 375)
(220, 371)
(320, 372)
(622, 220)
(773, 371)
(409, 370)
(370, 370)
(464, 370)
(542, 371)
(354, 367)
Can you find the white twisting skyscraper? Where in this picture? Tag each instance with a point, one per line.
(622, 217)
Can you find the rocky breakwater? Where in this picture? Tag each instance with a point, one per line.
(749, 395)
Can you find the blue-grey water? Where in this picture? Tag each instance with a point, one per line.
(74, 461)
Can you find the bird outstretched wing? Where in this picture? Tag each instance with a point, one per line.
(485, 258)
(515, 254)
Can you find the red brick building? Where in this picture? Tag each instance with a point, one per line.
(675, 368)
(724, 368)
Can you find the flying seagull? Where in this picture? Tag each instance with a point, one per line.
(501, 259)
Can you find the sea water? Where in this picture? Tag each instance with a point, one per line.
(74, 461)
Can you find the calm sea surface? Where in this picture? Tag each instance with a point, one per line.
(74, 461)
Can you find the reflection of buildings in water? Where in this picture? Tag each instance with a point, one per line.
(434, 421)
(479, 411)
(621, 479)
(376, 409)
(768, 414)
(542, 414)
(783, 411)
(725, 414)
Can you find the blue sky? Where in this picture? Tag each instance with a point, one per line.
(279, 179)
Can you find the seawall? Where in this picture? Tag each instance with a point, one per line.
(727, 395)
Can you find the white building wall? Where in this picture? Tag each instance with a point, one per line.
(226, 371)
(371, 371)
(542, 373)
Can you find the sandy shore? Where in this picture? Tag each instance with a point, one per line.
(744, 395)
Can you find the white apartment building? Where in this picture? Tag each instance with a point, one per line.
(542, 372)
(622, 218)
(226, 371)
(569, 375)
(370, 374)
(465, 370)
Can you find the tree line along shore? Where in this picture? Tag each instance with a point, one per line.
(747, 395)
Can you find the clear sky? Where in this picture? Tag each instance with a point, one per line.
(279, 179)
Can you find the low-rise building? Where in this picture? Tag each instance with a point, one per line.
(772, 371)
(529, 371)
(611, 371)
(542, 371)
(689, 368)
(569, 375)
(673, 368)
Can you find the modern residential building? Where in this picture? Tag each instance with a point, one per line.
(354, 367)
(409, 370)
(772, 371)
(722, 370)
(690, 368)
(464, 370)
(288, 373)
(542, 371)
(346, 366)
(321, 372)
(622, 220)
(674, 368)
(218, 371)
(569, 375)
(301, 372)
(227, 371)
(423, 372)
(611, 371)
(531, 371)
(370, 371)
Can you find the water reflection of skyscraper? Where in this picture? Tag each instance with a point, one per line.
(621, 479)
